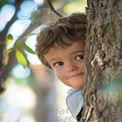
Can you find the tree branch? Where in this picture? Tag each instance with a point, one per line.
(52, 8)
(4, 70)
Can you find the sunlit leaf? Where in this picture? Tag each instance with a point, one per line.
(28, 49)
(9, 39)
(77, 6)
(21, 59)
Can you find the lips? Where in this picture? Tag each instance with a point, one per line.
(76, 75)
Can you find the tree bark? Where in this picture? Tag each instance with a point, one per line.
(102, 99)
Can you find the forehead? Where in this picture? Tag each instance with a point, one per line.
(62, 51)
(68, 43)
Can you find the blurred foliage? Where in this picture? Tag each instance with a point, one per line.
(6, 52)
(74, 6)
(116, 84)
(3, 2)
(9, 39)
(113, 90)
(70, 6)
(21, 58)
(19, 55)
(18, 47)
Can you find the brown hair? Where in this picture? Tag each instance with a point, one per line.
(60, 32)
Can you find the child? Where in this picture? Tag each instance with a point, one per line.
(60, 46)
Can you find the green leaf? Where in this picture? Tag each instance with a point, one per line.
(28, 49)
(10, 36)
(9, 39)
(17, 44)
(21, 59)
(77, 5)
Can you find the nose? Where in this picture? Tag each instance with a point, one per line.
(71, 66)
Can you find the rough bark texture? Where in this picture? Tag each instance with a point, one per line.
(103, 61)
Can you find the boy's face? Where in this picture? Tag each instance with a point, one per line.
(68, 63)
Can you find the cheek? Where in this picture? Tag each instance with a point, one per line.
(59, 74)
(81, 64)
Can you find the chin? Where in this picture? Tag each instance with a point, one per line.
(77, 86)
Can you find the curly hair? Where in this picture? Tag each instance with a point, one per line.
(62, 32)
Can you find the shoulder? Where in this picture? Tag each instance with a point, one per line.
(74, 101)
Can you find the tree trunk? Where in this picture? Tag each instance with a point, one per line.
(102, 91)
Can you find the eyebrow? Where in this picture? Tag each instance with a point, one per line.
(77, 51)
(53, 59)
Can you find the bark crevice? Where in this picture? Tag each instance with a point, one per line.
(103, 62)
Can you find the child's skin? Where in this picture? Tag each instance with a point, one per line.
(68, 63)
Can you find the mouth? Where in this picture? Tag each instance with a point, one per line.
(76, 75)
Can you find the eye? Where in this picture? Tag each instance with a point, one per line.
(58, 64)
(79, 57)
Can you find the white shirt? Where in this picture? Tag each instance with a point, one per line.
(74, 101)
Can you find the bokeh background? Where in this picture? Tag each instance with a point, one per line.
(32, 92)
